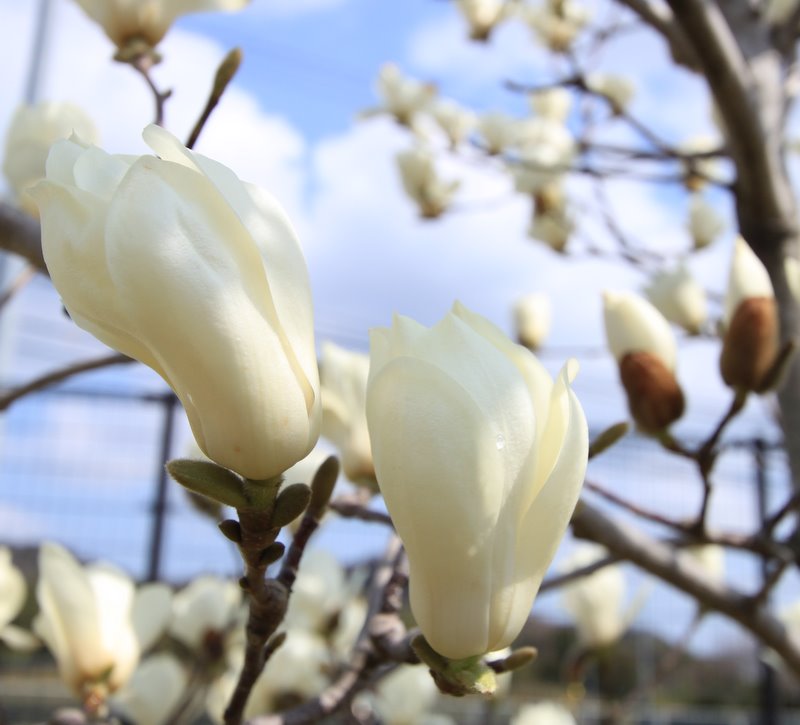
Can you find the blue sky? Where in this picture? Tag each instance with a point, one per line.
(290, 125)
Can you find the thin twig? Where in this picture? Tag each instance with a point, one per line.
(62, 374)
(25, 276)
(351, 507)
(143, 64)
(225, 73)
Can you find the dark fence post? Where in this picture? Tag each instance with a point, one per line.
(169, 402)
(768, 684)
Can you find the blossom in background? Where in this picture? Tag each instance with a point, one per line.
(498, 130)
(402, 97)
(618, 90)
(546, 151)
(33, 130)
(154, 691)
(640, 339)
(704, 223)
(343, 377)
(13, 592)
(679, 297)
(480, 458)
(532, 317)
(176, 262)
(455, 121)
(94, 620)
(750, 322)
(146, 21)
(543, 713)
(318, 594)
(553, 227)
(710, 558)
(595, 601)
(204, 615)
(404, 696)
(482, 16)
(556, 23)
(702, 165)
(422, 183)
(553, 104)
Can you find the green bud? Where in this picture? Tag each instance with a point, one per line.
(607, 438)
(518, 658)
(470, 676)
(291, 502)
(322, 486)
(210, 480)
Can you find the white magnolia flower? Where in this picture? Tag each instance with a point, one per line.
(553, 227)
(174, 261)
(482, 501)
(532, 317)
(543, 713)
(422, 183)
(405, 696)
(33, 130)
(343, 376)
(154, 691)
(546, 151)
(617, 89)
(557, 23)
(633, 324)
(595, 601)
(748, 277)
(403, 97)
(498, 130)
(126, 21)
(553, 104)
(482, 15)
(710, 558)
(204, 614)
(13, 592)
(701, 169)
(456, 121)
(319, 592)
(680, 298)
(705, 224)
(94, 620)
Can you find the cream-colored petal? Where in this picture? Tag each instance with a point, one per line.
(188, 274)
(151, 613)
(748, 277)
(18, 639)
(154, 691)
(13, 589)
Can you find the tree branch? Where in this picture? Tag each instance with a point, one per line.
(662, 561)
(20, 234)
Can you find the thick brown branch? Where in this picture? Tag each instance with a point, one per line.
(662, 561)
(20, 234)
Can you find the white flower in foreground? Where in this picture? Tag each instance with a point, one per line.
(33, 130)
(126, 21)
(204, 613)
(641, 340)
(705, 224)
(422, 183)
(343, 376)
(532, 317)
(480, 458)
(679, 297)
(13, 592)
(176, 262)
(482, 16)
(154, 691)
(553, 104)
(617, 89)
(403, 97)
(543, 713)
(456, 121)
(595, 601)
(94, 620)
(750, 343)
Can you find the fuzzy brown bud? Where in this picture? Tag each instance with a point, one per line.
(655, 398)
(750, 345)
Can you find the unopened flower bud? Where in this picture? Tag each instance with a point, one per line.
(751, 339)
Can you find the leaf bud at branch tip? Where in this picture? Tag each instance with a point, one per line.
(322, 486)
(608, 438)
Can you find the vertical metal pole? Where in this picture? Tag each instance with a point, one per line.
(38, 52)
(169, 403)
(768, 683)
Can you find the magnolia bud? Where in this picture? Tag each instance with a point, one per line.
(642, 342)
(751, 340)
(678, 296)
(532, 317)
